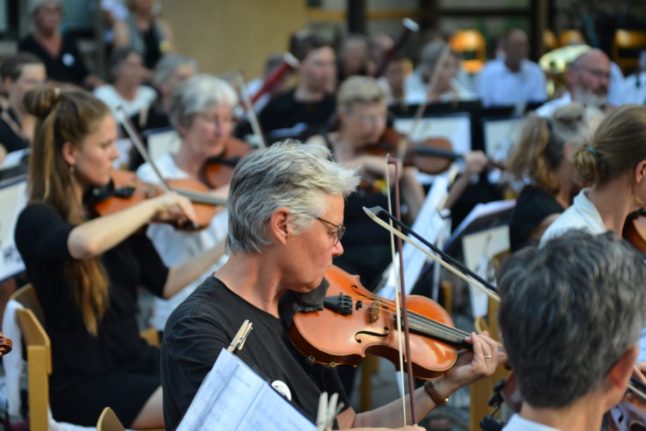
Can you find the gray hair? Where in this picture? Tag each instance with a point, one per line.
(569, 310)
(166, 67)
(197, 94)
(291, 175)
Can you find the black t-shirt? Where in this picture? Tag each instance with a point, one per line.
(205, 323)
(41, 237)
(285, 117)
(67, 66)
(9, 139)
(533, 205)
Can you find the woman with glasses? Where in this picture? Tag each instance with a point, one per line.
(201, 112)
(361, 116)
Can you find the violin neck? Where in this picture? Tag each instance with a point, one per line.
(437, 152)
(430, 328)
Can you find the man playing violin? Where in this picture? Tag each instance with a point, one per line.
(285, 225)
(570, 327)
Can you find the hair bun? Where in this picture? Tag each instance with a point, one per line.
(41, 101)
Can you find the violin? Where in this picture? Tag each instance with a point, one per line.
(126, 190)
(635, 230)
(217, 171)
(359, 322)
(431, 156)
(630, 413)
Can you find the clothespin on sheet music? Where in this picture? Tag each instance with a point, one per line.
(241, 337)
(328, 409)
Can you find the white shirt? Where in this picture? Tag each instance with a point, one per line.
(144, 97)
(518, 423)
(547, 109)
(177, 247)
(584, 215)
(632, 90)
(497, 85)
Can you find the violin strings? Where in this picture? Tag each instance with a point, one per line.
(430, 326)
(424, 324)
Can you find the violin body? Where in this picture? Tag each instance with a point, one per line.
(126, 190)
(217, 171)
(630, 413)
(635, 230)
(354, 322)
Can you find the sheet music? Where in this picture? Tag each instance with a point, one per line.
(479, 249)
(13, 199)
(429, 224)
(234, 397)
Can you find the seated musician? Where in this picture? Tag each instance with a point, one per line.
(19, 74)
(570, 328)
(285, 225)
(542, 159)
(201, 111)
(303, 111)
(362, 115)
(86, 272)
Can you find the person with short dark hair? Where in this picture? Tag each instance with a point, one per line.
(570, 317)
(19, 74)
(303, 111)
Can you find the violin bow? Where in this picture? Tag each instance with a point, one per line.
(438, 255)
(431, 83)
(123, 119)
(248, 106)
(400, 298)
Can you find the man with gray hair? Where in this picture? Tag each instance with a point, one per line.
(588, 80)
(570, 315)
(285, 225)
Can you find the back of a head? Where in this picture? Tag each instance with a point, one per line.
(359, 90)
(430, 54)
(290, 175)
(617, 146)
(568, 312)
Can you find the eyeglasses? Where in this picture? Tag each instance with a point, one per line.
(337, 234)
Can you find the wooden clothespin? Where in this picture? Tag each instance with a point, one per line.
(241, 336)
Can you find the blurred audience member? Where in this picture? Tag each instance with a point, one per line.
(353, 57)
(126, 91)
(145, 32)
(588, 79)
(19, 73)
(512, 79)
(446, 86)
(58, 51)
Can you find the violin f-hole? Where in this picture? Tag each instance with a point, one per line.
(357, 336)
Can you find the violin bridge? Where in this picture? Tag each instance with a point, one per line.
(373, 313)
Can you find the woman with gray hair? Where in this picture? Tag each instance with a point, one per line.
(570, 327)
(201, 112)
(286, 222)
